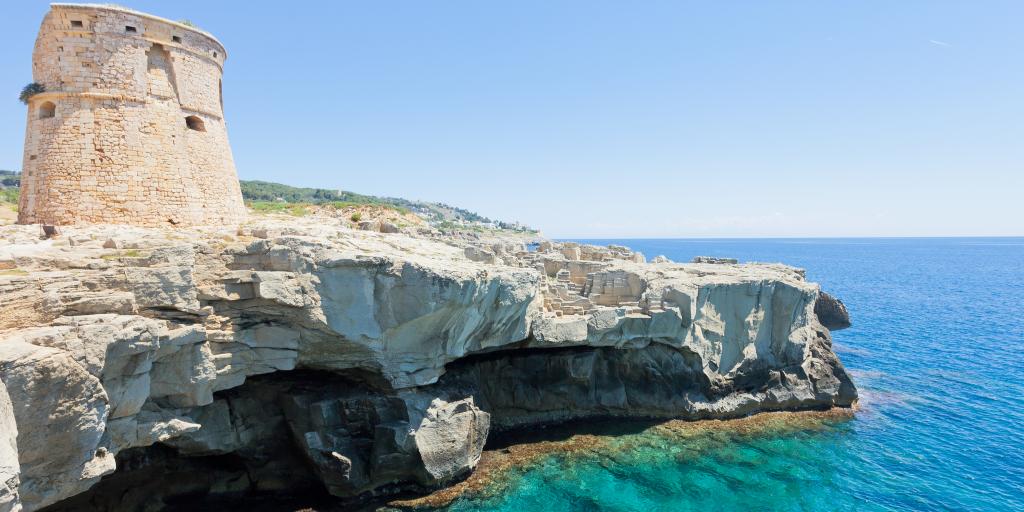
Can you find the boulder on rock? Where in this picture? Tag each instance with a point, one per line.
(831, 312)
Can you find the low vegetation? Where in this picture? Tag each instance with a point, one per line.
(9, 191)
(341, 205)
(293, 209)
(9, 195)
(448, 226)
(30, 90)
(262, 194)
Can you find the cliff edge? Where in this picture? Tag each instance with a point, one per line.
(300, 353)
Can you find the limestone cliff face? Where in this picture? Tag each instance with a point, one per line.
(362, 363)
(9, 467)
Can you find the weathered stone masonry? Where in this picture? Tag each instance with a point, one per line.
(131, 127)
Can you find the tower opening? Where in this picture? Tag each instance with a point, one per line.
(47, 110)
(195, 123)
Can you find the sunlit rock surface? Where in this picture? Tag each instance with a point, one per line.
(365, 362)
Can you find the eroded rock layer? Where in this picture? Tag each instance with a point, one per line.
(301, 353)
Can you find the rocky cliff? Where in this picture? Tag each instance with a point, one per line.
(301, 354)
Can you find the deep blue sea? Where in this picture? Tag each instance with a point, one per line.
(936, 350)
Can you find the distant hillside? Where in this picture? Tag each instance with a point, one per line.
(9, 178)
(265, 196)
(435, 213)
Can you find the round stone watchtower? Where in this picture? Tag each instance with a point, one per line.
(130, 128)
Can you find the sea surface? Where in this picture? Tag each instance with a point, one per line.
(936, 350)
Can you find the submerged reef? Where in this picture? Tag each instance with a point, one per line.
(618, 445)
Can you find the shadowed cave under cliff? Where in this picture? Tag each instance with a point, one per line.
(530, 394)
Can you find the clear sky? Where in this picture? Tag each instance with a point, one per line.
(623, 119)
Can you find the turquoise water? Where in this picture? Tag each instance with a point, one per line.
(937, 351)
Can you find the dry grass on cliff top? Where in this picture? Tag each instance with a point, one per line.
(8, 214)
(352, 213)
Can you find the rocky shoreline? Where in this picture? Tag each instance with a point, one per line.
(302, 354)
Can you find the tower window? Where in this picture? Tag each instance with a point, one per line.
(176, 39)
(47, 110)
(129, 28)
(215, 55)
(76, 24)
(195, 123)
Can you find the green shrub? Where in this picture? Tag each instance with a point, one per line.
(9, 195)
(356, 217)
(30, 90)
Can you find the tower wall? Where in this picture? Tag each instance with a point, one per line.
(131, 127)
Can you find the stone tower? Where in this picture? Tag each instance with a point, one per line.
(130, 129)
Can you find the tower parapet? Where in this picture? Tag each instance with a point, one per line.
(131, 127)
